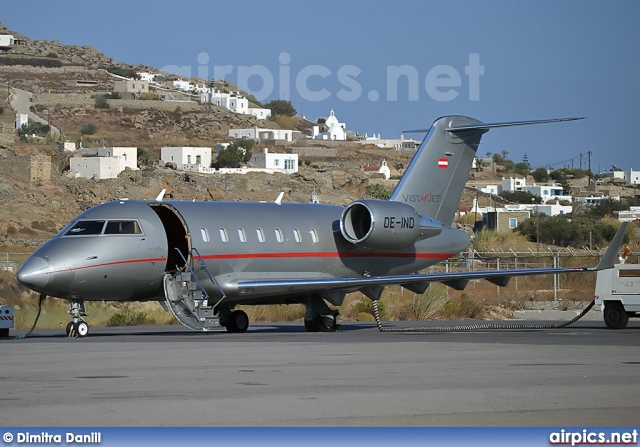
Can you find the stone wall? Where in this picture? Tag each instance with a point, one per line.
(86, 100)
(36, 167)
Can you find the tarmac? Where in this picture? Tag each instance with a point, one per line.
(281, 375)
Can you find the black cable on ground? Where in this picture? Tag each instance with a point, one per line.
(475, 327)
(42, 297)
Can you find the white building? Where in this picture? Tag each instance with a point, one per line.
(547, 192)
(94, 167)
(7, 40)
(131, 89)
(382, 169)
(336, 131)
(234, 102)
(629, 176)
(69, 146)
(286, 163)
(22, 118)
(186, 158)
(126, 157)
(397, 144)
(257, 133)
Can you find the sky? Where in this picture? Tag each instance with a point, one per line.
(385, 67)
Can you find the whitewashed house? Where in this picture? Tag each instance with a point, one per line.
(257, 133)
(94, 167)
(126, 157)
(187, 158)
(286, 163)
(234, 102)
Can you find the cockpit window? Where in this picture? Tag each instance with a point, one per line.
(122, 227)
(86, 227)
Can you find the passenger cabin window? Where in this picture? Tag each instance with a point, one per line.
(297, 235)
(279, 237)
(205, 234)
(242, 235)
(260, 234)
(314, 235)
(122, 227)
(223, 235)
(86, 227)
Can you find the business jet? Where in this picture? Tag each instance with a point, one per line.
(203, 259)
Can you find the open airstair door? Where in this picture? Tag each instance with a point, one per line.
(178, 237)
(184, 292)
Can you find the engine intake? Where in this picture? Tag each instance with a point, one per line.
(383, 225)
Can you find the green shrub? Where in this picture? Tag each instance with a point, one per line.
(101, 102)
(88, 129)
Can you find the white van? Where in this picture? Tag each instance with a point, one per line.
(618, 294)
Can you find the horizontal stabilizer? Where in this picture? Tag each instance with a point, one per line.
(487, 126)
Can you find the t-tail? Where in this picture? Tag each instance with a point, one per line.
(435, 178)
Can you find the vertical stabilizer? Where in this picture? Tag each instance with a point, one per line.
(435, 178)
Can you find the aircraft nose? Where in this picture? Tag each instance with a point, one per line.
(35, 273)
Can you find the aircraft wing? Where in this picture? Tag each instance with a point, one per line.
(418, 281)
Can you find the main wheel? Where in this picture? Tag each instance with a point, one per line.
(615, 316)
(327, 324)
(69, 328)
(311, 326)
(238, 322)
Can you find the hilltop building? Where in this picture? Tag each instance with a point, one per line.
(234, 102)
(256, 133)
(630, 176)
(131, 89)
(336, 131)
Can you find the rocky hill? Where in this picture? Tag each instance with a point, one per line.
(34, 210)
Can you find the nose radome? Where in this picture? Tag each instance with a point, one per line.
(34, 273)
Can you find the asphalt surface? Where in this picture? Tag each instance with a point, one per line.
(280, 375)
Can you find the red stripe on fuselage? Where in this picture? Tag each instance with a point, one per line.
(129, 261)
(325, 254)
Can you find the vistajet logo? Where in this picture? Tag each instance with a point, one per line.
(428, 197)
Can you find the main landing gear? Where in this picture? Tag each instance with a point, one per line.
(77, 327)
(236, 321)
(319, 317)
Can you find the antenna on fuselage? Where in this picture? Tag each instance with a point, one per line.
(161, 195)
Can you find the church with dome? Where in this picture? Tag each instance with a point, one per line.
(335, 130)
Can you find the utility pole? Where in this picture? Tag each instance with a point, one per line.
(590, 173)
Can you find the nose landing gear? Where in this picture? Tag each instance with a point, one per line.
(77, 327)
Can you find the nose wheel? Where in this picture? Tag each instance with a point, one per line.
(77, 327)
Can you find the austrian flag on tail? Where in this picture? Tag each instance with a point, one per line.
(443, 163)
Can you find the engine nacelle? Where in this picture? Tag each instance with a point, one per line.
(383, 225)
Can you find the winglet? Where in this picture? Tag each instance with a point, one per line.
(279, 199)
(161, 195)
(610, 256)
